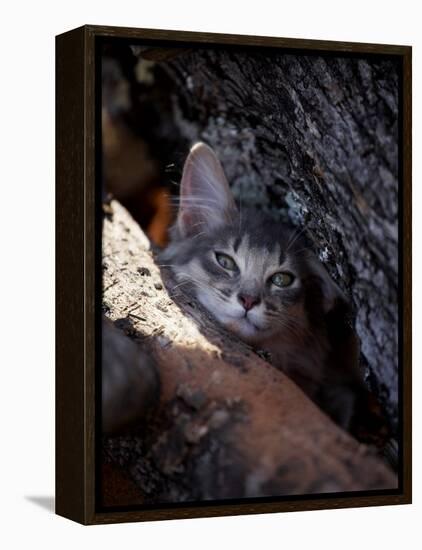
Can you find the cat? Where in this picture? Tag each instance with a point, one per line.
(260, 280)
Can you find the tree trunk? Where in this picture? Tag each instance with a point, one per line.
(228, 424)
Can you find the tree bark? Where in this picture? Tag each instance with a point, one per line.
(228, 424)
(314, 140)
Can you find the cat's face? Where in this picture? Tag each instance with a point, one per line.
(252, 274)
(248, 279)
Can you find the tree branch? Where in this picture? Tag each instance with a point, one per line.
(228, 424)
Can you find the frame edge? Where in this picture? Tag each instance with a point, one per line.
(70, 326)
(75, 200)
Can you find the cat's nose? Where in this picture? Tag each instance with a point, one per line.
(248, 301)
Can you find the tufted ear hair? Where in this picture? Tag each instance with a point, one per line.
(205, 197)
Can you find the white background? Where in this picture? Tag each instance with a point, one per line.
(27, 271)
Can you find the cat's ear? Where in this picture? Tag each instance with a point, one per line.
(205, 197)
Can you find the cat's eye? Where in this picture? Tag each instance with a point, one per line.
(225, 261)
(282, 279)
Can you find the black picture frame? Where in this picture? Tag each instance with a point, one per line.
(78, 276)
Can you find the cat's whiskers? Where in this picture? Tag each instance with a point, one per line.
(240, 213)
(282, 323)
(206, 211)
(199, 234)
(291, 329)
(198, 223)
(192, 280)
(221, 293)
(296, 235)
(203, 173)
(192, 200)
(297, 252)
(297, 329)
(180, 284)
